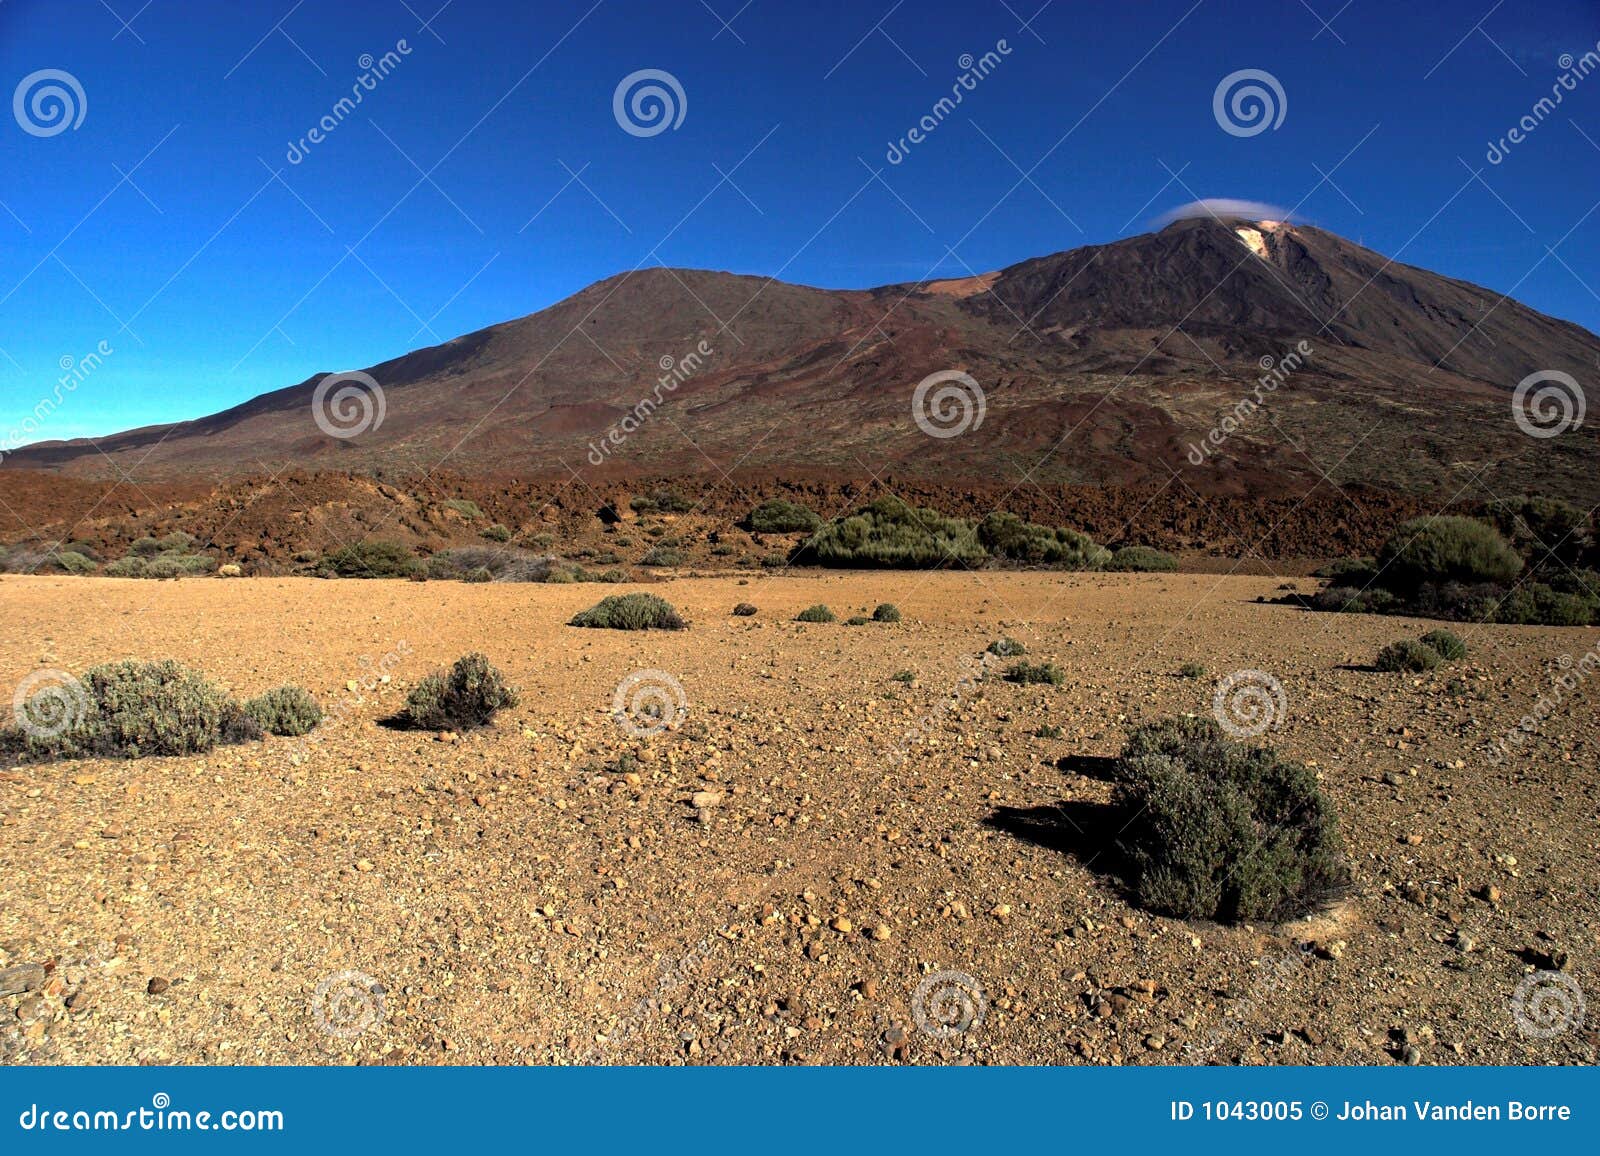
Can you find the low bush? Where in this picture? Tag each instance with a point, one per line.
(1445, 549)
(630, 612)
(288, 710)
(858, 620)
(890, 534)
(495, 533)
(1407, 656)
(1191, 670)
(817, 613)
(779, 516)
(467, 509)
(128, 710)
(661, 501)
(466, 696)
(1008, 536)
(1035, 673)
(1224, 831)
(886, 612)
(1142, 559)
(1353, 572)
(663, 556)
(1007, 648)
(370, 559)
(1446, 643)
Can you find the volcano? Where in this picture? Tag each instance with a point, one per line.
(1234, 356)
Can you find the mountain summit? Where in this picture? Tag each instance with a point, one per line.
(1243, 355)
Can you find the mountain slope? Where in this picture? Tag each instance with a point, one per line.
(1106, 364)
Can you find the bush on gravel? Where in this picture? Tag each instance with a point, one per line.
(1222, 830)
(466, 696)
(630, 612)
(287, 710)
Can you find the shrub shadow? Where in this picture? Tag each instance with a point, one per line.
(1087, 831)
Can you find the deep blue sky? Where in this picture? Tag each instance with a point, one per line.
(213, 281)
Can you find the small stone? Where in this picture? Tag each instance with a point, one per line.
(1411, 1055)
(880, 931)
(1002, 911)
(842, 925)
(1155, 1043)
(157, 985)
(1413, 840)
(1491, 894)
(363, 865)
(23, 977)
(704, 799)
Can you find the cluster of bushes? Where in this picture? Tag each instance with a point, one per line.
(779, 516)
(141, 709)
(1035, 673)
(661, 502)
(630, 612)
(49, 558)
(1429, 652)
(170, 557)
(892, 534)
(1533, 565)
(1224, 831)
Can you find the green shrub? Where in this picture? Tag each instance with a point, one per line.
(905, 677)
(1354, 572)
(1349, 600)
(468, 510)
(1446, 549)
(1224, 831)
(890, 534)
(858, 620)
(495, 533)
(72, 562)
(887, 612)
(288, 710)
(779, 516)
(145, 547)
(817, 613)
(174, 565)
(1033, 673)
(1142, 559)
(612, 576)
(1007, 648)
(1047, 731)
(466, 696)
(663, 556)
(373, 559)
(481, 574)
(544, 540)
(133, 710)
(129, 567)
(1448, 644)
(1191, 670)
(1008, 536)
(1544, 531)
(1406, 655)
(661, 501)
(630, 612)
(744, 610)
